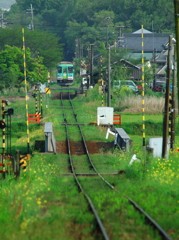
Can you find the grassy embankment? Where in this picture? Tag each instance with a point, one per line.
(42, 205)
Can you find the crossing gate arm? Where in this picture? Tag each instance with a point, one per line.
(50, 143)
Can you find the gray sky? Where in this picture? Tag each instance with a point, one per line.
(6, 3)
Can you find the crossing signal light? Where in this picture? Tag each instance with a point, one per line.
(9, 111)
(34, 95)
(2, 124)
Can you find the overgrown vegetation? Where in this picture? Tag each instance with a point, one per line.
(46, 205)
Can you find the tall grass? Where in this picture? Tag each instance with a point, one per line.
(133, 103)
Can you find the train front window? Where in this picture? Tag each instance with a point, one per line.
(70, 69)
(59, 69)
(64, 70)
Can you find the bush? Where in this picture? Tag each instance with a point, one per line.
(93, 94)
(13, 91)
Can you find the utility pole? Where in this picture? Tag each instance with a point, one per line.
(154, 61)
(120, 37)
(109, 79)
(2, 18)
(167, 95)
(107, 30)
(78, 48)
(173, 110)
(176, 10)
(81, 50)
(91, 63)
(88, 67)
(32, 16)
(3, 21)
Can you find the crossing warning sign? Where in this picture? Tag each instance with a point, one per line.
(47, 90)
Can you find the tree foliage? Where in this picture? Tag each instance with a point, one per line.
(40, 43)
(12, 68)
(83, 19)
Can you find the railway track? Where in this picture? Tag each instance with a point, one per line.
(93, 171)
(98, 220)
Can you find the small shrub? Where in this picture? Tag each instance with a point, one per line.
(13, 91)
(93, 94)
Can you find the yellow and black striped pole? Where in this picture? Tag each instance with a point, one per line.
(26, 96)
(170, 119)
(143, 88)
(36, 101)
(39, 112)
(41, 103)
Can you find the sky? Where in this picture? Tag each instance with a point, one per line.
(5, 4)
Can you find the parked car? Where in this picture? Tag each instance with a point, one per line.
(125, 83)
(160, 86)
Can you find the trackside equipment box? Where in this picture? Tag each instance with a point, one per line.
(105, 115)
(122, 140)
(50, 143)
(156, 145)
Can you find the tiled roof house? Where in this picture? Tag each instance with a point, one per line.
(157, 41)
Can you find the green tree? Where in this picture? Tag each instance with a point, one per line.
(12, 68)
(71, 19)
(40, 43)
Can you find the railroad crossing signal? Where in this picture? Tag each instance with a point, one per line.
(82, 63)
(47, 90)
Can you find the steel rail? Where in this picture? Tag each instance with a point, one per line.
(86, 149)
(136, 206)
(100, 224)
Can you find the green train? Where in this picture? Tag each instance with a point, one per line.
(65, 73)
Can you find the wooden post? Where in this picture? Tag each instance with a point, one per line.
(176, 10)
(167, 94)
